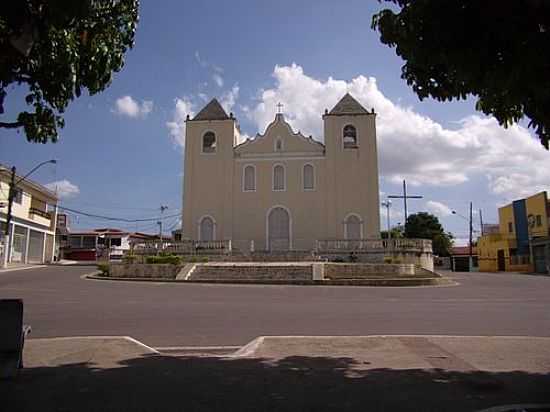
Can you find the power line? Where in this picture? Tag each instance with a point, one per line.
(110, 206)
(116, 219)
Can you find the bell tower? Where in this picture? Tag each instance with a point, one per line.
(352, 168)
(208, 173)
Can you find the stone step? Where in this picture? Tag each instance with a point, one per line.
(211, 272)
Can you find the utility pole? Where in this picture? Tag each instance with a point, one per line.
(387, 205)
(481, 221)
(404, 196)
(471, 260)
(7, 240)
(162, 209)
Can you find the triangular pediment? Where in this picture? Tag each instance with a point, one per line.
(348, 105)
(212, 111)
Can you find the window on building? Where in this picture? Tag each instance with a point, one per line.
(88, 242)
(18, 196)
(510, 227)
(278, 178)
(249, 179)
(309, 177)
(75, 241)
(350, 137)
(278, 145)
(539, 220)
(209, 142)
(116, 241)
(100, 240)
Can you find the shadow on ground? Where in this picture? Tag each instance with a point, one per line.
(163, 383)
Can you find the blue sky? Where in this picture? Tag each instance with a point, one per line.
(122, 157)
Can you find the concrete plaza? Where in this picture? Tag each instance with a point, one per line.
(59, 302)
(413, 369)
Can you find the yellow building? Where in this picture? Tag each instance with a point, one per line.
(522, 225)
(32, 231)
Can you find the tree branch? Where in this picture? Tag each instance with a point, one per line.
(13, 125)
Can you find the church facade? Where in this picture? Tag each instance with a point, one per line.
(281, 190)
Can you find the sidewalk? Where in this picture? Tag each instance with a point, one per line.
(20, 266)
(377, 373)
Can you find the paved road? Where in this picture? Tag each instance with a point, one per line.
(58, 302)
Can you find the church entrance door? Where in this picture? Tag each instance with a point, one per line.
(278, 229)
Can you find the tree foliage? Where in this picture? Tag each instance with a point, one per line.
(57, 48)
(395, 233)
(426, 226)
(497, 51)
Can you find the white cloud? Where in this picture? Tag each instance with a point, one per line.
(218, 79)
(63, 188)
(199, 60)
(176, 127)
(229, 98)
(127, 106)
(439, 209)
(511, 160)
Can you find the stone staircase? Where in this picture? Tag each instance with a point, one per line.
(212, 272)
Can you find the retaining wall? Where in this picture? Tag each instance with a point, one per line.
(165, 271)
(367, 271)
(250, 273)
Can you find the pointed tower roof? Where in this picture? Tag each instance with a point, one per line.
(212, 111)
(348, 105)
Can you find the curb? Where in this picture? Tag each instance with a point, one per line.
(416, 282)
(15, 269)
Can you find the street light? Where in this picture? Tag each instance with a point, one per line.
(471, 243)
(387, 204)
(11, 195)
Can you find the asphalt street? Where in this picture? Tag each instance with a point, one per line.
(60, 302)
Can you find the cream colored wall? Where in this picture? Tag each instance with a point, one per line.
(208, 178)
(31, 198)
(346, 181)
(352, 185)
(18, 210)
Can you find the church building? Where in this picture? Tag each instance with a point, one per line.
(281, 190)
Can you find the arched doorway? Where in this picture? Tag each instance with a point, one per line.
(353, 227)
(278, 229)
(206, 229)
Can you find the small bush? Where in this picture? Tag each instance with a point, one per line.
(204, 259)
(388, 260)
(104, 269)
(167, 259)
(129, 259)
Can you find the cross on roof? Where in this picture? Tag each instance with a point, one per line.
(280, 107)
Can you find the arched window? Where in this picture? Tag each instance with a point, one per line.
(349, 136)
(249, 179)
(207, 229)
(278, 145)
(309, 177)
(279, 178)
(353, 227)
(209, 142)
